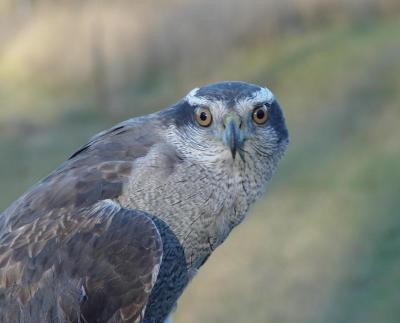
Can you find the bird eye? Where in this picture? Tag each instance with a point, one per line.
(203, 117)
(260, 115)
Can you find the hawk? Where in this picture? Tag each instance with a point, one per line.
(117, 232)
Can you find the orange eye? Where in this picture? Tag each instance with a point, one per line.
(260, 115)
(203, 117)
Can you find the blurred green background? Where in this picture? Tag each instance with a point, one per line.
(324, 244)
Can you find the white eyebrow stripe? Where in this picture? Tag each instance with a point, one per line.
(192, 99)
(263, 95)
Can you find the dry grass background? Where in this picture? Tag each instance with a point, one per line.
(324, 244)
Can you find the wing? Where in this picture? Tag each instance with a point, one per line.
(68, 251)
(97, 264)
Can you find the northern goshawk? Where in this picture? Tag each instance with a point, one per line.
(117, 232)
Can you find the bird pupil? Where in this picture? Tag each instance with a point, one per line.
(260, 114)
(203, 116)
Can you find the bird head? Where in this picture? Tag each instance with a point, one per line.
(233, 122)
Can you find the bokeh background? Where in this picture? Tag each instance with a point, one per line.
(324, 244)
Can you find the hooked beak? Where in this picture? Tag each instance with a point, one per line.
(233, 137)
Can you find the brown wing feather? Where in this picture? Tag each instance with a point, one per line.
(65, 252)
(94, 263)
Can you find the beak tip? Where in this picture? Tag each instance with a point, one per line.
(232, 136)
